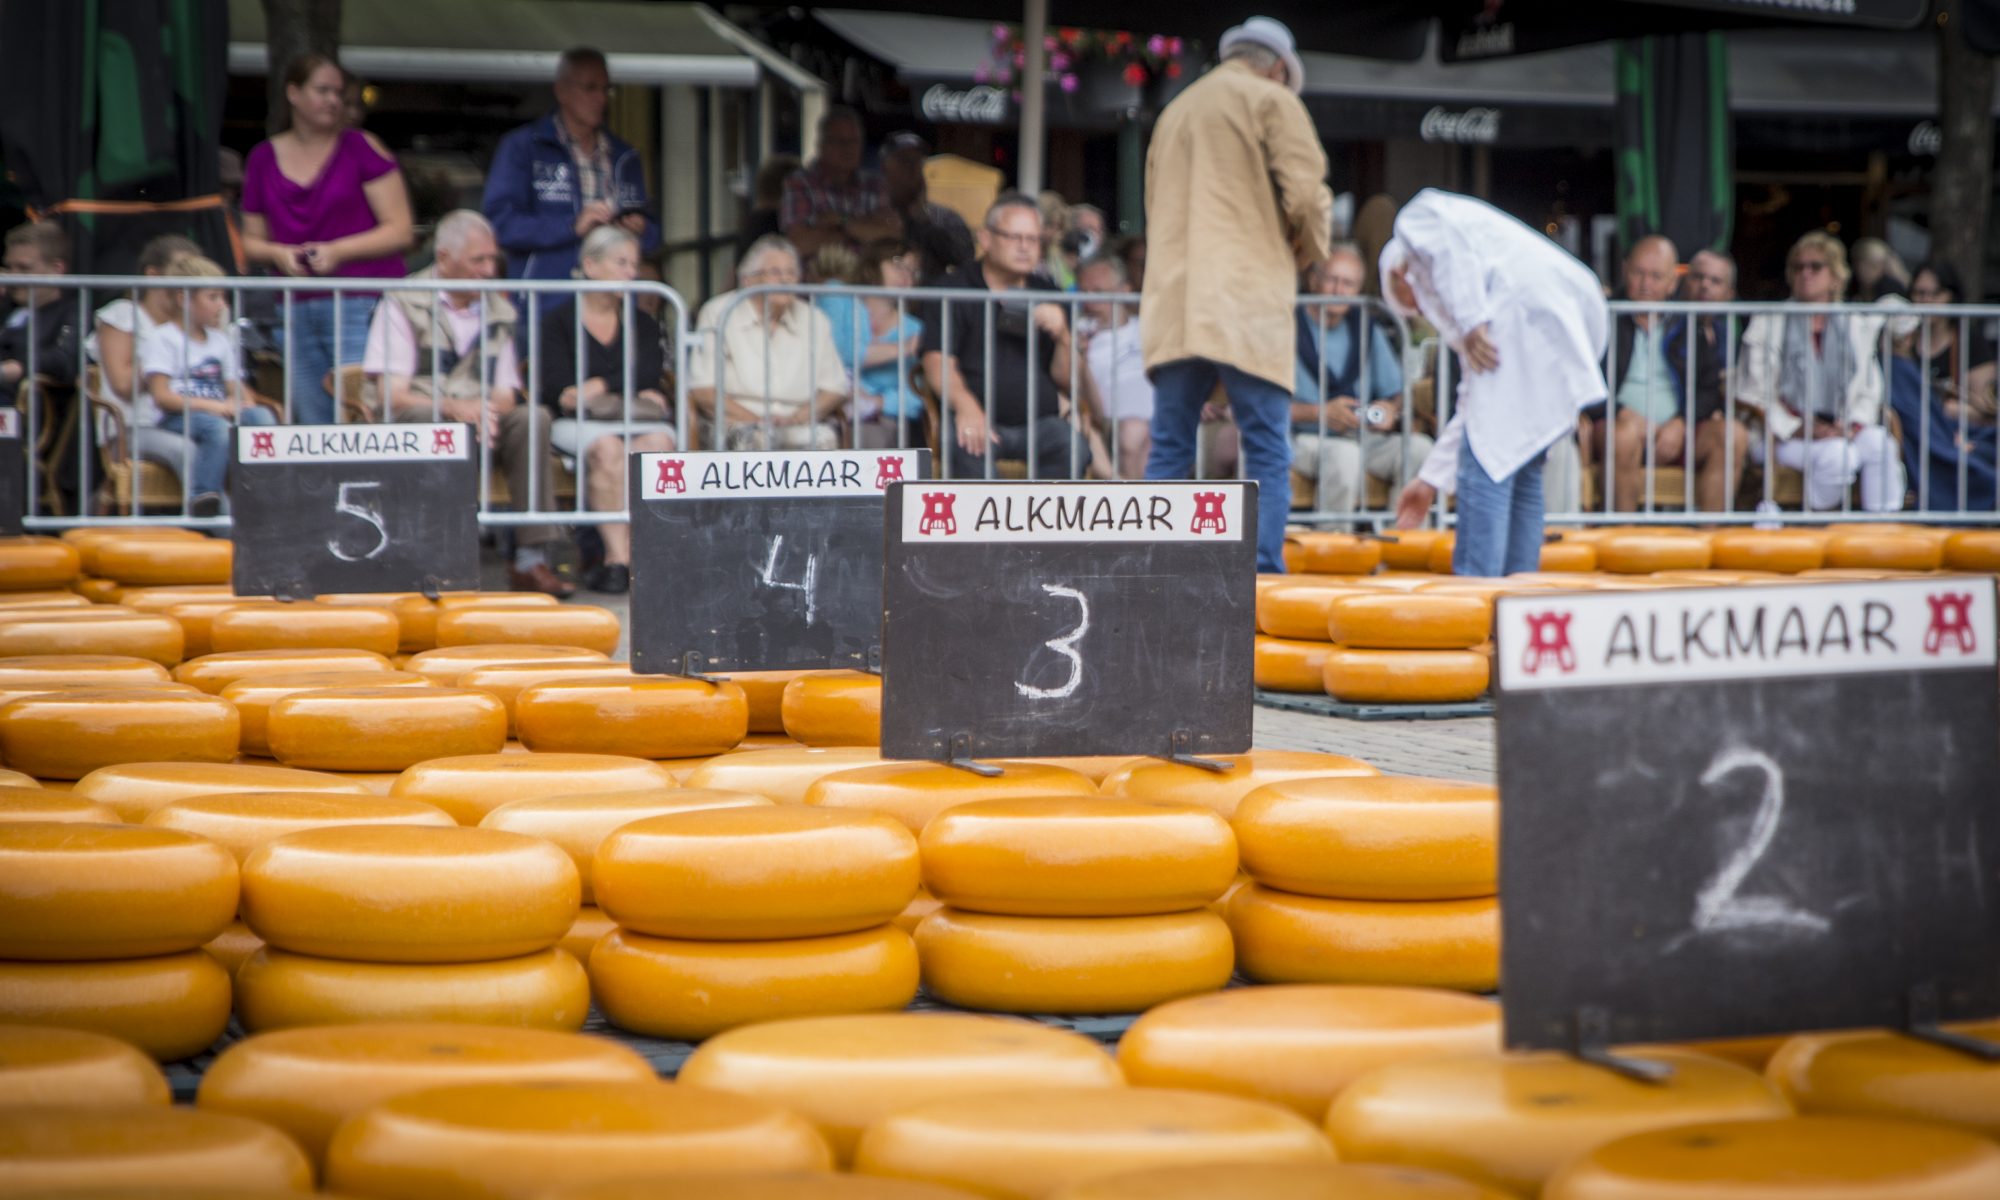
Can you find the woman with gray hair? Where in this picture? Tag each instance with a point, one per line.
(766, 365)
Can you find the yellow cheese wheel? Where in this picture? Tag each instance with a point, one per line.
(1299, 610)
(1973, 550)
(1411, 621)
(303, 626)
(1568, 555)
(196, 619)
(233, 946)
(913, 914)
(254, 697)
(99, 630)
(502, 1141)
(65, 1150)
(1331, 553)
(68, 735)
(1405, 676)
(579, 824)
(843, 1073)
(1410, 549)
(276, 990)
(1283, 938)
(1299, 1045)
(137, 790)
(409, 893)
(1443, 550)
(760, 1185)
(31, 563)
(240, 822)
(445, 665)
(1886, 549)
(1027, 1144)
(1881, 1074)
(415, 613)
(1640, 553)
(506, 683)
(306, 1081)
(1071, 964)
(833, 708)
(915, 792)
(1286, 665)
(57, 598)
(1390, 837)
(150, 562)
(1274, 1181)
(59, 1068)
(658, 717)
(97, 670)
(18, 803)
(1156, 779)
(1825, 1158)
(213, 672)
(87, 539)
(165, 599)
(72, 892)
(170, 1007)
(1509, 1121)
(471, 786)
(763, 871)
(783, 774)
(10, 694)
(1078, 856)
(676, 988)
(97, 591)
(582, 625)
(589, 928)
(383, 729)
(766, 693)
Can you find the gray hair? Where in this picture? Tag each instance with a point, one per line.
(770, 243)
(1007, 200)
(576, 58)
(1259, 58)
(1351, 249)
(1109, 262)
(604, 239)
(458, 225)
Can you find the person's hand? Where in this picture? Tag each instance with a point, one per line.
(485, 420)
(973, 436)
(634, 223)
(292, 261)
(1048, 318)
(567, 400)
(1392, 413)
(1214, 410)
(1480, 352)
(11, 372)
(1415, 504)
(1343, 414)
(593, 215)
(321, 258)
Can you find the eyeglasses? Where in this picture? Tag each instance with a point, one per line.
(775, 275)
(1707, 280)
(1018, 239)
(1808, 266)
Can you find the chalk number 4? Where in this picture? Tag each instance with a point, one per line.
(1065, 646)
(1718, 907)
(365, 509)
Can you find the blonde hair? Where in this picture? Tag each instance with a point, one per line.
(196, 266)
(1836, 257)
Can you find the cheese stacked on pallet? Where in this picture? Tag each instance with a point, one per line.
(101, 928)
(1389, 880)
(410, 922)
(1407, 648)
(729, 916)
(1292, 642)
(1075, 904)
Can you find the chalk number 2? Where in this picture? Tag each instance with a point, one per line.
(365, 509)
(1065, 646)
(1718, 907)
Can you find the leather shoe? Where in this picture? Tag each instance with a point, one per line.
(612, 579)
(539, 578)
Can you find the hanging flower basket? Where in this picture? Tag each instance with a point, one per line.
(1079, 58)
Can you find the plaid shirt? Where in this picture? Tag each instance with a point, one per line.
(810, 195)
(593, 168)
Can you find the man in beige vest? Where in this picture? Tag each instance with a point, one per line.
(1236, 206)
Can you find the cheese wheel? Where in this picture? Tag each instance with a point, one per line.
(1299, 1045)
(1283, 938)
(415, 613)
(68, 735)
(96, 631)
(1881, 1074)
(213, 672)
(306, 1081)
(137, 790)
(448, 601)
(1155, 779)
(65, 1150)
(196, 619)
(1443, 550)
(843, 1073)
(18, 803)
(87, 538)
(1390, 837)
(151, 562)
(659, 717)
(1300, 610)
(689, 990)
(506, 683)
(57, 598)
(97, 591)
(916, 792)
(1331, 554)
(471, 786)
(28, 563)
(241, 822)
(1285, 665)
(409, 893)
(766, 693)
(1078, 856)
(1886, 549)
(276, 990)
(1412, 621)
(1273, 1181)
(1071, 964)
(582, 625)
(1508, 1121)
(579, 824)
(72, 892)
(96, 670)
(10, 694)
(1568, 555)
(383, 729)
(255, 696)
(58, 1068)
(445, 665)
(913, 914)
(1410, 549)
(585, 932)
(1825, 1158)
(783, 774)
(170, 1007)
(304, 626)
(233, 946)
(1973, 550)
(1033, 1143)
(833, 708)
(1405, 676)
(502, 1141)
(1640, 553)
(758, 1185)
(751, 873)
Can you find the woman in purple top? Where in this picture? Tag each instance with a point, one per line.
(321, 199)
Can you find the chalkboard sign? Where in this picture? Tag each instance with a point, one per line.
(760, 560)
(1740, 811)
(13, 472)
(1068, 618)
(354, 508)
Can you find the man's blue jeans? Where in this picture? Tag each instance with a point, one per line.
(1499, 520)
(1263, 421)
(214, 445)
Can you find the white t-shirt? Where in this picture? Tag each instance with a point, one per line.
(1118, 370)
(200, 369)
(126, 317)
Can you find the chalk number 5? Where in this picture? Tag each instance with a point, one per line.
(1718, 907)
(365, 509)
(1065, 646)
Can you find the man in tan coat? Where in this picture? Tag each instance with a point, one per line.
(1236, 206)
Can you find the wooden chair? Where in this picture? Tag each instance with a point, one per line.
(135, 485)
(55, 441)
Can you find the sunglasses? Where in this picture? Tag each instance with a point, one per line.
(1807, 267)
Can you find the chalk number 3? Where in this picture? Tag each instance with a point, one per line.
(365, 509)
(1718, 906)
(1065, 646)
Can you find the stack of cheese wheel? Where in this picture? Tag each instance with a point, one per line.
(55, 736)
(254, 697)
(410, 923)
(505, 682)
(1408, 648)
(1389, 880)
(1331, 553)
(156, 561)
(1292, 640)
(101, 929)
(96, 629)
(1075, 904)
(727, 916)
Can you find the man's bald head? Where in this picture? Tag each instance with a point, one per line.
(1649, 269)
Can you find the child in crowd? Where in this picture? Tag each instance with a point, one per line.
(193, 381)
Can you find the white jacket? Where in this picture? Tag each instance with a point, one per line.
(1760, 361)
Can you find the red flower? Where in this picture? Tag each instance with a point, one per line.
(1070, 35)
(1135, 75)
(1173, 70)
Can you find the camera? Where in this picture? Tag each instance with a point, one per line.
(1376, 415)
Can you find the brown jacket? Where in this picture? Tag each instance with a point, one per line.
(1236, 204)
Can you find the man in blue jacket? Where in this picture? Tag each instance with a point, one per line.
(556, 179)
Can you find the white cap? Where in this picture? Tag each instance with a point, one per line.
(1273, 36)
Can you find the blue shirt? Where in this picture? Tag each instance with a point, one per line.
(853, 335)
(1343, 367)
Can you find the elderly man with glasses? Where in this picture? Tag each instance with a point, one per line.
(767, 365)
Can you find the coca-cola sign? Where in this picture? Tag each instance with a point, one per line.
(1477, 126)
(1925, 139)
(976, 105)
